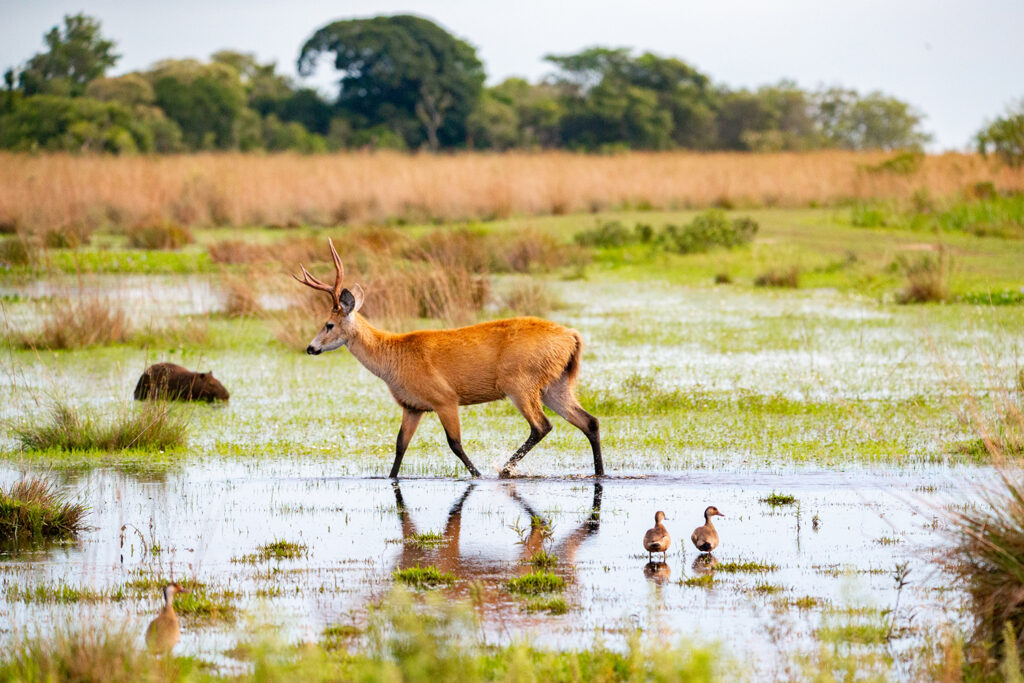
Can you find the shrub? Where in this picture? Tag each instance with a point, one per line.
(159, 236)
(708, 230)
(927, 278)
(1004, 137)
(607, 234)
(74, 322)
(34, 508)
(148, 425)
(788, 278)
(907, 162)
(16, 251)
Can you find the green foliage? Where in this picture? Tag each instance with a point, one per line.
(850, 120)
(778, 499)
(74, 56)
(708, 230)
(536, 583)
(404, 72)
(699, 581)
(423, 577)
(205, 100)
(80, 124)
(34, 508)
(279, 549)
(1004, 137)
(151, 425)
(745, 567)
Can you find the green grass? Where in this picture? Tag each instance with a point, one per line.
(765, 588)
(423, 577)
(278, 549)
(866, 633)
(778, 499)
(34, 509)
(701, 581)
(745, 567)
(148, 425)
(536, 583)
(427, 539)
(62, 593)
(542, 559)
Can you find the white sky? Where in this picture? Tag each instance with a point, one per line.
(959, 62)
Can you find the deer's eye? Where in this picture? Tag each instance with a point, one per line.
(329, 326)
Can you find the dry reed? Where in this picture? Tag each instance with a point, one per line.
(58, 191)
(73, 323)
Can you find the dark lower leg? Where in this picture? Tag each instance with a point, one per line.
(536, 434)
(456, 447)
(399, 454)
(594, 437)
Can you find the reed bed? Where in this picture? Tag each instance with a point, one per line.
(66, 192)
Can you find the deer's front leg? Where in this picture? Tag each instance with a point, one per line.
(410, 421)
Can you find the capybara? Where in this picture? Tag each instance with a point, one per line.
(173, 382)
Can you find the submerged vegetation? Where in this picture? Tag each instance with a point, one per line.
(423, 577)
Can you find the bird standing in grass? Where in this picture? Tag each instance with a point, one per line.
(165, 631)
(657, 540)
(705, 537)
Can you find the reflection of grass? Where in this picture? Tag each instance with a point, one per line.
(536, 583)
(702, 581)
(551, 605)
(423, 577)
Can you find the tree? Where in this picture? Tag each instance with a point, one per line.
(401, 72)
(647, 101)
(205, 100)
(1005, 137)
(81, 124)
(74, 56)
(874, 121)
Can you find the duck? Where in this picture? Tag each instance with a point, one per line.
(657, 540)
(165, 631)
(705, 537)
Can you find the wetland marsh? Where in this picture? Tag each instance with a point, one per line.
(867, 413)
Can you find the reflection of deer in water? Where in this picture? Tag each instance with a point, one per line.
(447, 555)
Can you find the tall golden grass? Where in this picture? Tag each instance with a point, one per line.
(65, 191)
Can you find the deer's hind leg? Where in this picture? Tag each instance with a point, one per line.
(529, 405)
(560, 397)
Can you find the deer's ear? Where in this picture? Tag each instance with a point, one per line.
(351, 300)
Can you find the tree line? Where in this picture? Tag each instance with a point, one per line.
(406, 83)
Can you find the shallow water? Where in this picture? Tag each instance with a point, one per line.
(353, 527)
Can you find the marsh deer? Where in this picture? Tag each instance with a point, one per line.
(530, 361)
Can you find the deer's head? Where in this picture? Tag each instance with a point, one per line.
(338, 329)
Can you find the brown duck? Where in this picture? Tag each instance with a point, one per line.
(705, 537)
(657, 540)
(165, 631)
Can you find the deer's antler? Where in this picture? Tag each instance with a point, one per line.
(313, 282)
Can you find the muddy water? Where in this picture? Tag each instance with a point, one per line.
(839, 543)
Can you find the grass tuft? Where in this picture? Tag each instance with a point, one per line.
(150, 425)
(788, 278)
(75, 323)
(927, 278)
(551, 605)
(745, 567)
(278, 549)
(536, 583)
(542, 559)
(778, 499)
(423, 577)
(34, 508)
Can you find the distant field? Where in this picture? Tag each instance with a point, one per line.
(88, 192)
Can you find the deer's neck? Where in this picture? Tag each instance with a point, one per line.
(371, 347)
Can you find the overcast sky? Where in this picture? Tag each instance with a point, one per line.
(958, 62)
